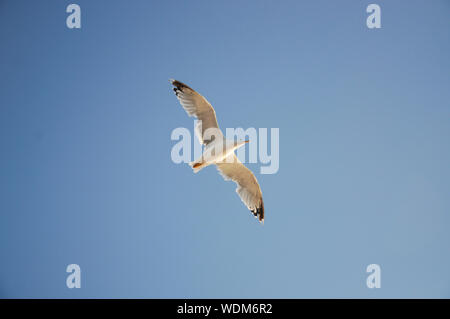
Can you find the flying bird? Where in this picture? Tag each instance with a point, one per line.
(218, 149)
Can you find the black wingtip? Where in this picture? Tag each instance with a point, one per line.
(258, 212)
(261, 212)
(179, 85)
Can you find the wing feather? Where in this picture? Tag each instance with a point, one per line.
(247, 185)
(197, 106)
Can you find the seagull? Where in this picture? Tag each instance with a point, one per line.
(218, 149)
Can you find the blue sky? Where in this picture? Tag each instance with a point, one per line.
(87, 178)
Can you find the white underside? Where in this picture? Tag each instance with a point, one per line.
(215, 152)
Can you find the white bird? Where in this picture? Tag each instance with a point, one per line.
(219, 150)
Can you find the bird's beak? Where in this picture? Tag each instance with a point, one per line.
(246, 141)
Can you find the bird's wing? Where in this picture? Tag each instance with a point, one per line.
(197, 106)
(247, 185)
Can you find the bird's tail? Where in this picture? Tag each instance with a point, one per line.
(196, 166)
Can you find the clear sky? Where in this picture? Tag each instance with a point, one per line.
(86, 175)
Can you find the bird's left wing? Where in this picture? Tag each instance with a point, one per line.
(247, 186)
(196, 105)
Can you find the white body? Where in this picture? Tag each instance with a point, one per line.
(218, 151)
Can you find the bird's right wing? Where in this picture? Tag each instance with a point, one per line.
(247, 185)
(197, 106)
